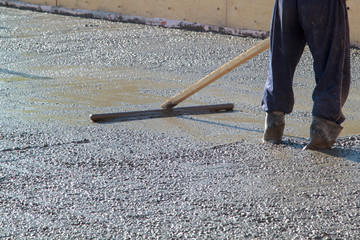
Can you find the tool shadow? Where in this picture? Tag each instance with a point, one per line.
(24, 75)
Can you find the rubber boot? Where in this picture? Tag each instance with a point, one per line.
(274, 127)
(323, 134)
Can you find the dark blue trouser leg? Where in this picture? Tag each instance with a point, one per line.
(323, 24)
(327, 34)
(287, 44)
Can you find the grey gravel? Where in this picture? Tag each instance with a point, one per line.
(190, 177)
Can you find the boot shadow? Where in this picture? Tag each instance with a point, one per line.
(341, 152)
(351, 153)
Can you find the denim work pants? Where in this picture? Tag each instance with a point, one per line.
(323, 25)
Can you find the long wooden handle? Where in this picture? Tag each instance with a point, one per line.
(218, 73)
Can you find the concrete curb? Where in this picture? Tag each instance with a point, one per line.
(117, 17)
(167, 23)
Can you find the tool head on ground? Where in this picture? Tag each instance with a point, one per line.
(161, 113)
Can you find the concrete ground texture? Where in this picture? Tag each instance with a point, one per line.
(200, 176)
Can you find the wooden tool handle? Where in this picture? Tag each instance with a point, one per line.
(221, 71)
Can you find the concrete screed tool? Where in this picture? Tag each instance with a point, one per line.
(167, 107)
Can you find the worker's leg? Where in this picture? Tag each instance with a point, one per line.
(325, 23)
(287, 43)
(286, 47)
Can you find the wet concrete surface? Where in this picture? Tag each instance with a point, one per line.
(197, 177)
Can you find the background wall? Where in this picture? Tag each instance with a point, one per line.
(243, 14)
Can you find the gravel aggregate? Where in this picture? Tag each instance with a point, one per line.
(189, 177)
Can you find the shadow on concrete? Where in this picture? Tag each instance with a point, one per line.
(349, 154)
(24, 75)
(294, 142)
(222, 124)
(352, 154)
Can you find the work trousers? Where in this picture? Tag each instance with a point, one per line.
(323, 26)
